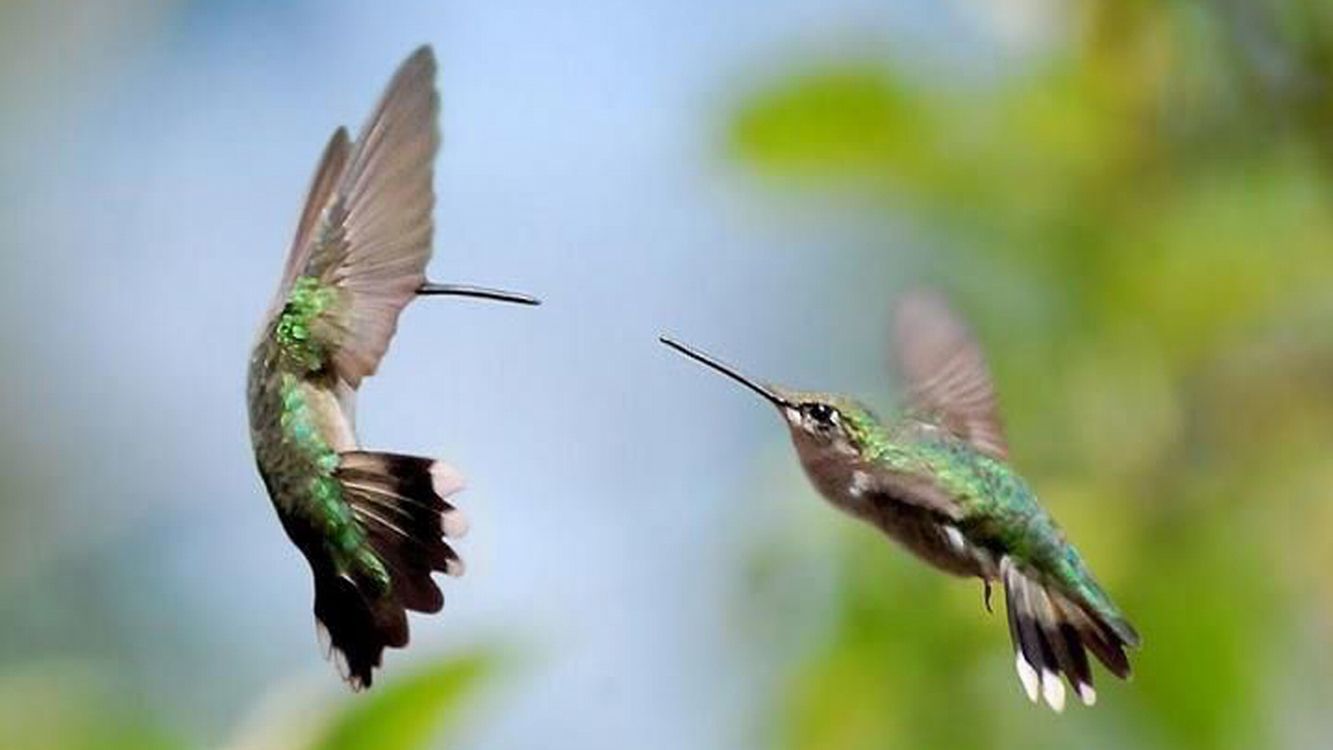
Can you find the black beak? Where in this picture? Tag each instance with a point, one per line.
(763, 390)
(481, 292)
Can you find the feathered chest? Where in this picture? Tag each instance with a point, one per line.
(297, 425)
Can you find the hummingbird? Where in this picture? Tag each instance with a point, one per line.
(371, 524)
(937, 480)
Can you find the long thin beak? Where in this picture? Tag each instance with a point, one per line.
(768, 393)
(481, 292)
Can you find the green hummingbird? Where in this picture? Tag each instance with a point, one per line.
(371, 524)
(937, 480)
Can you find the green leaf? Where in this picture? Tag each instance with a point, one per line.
(854, 120)
(407, 713)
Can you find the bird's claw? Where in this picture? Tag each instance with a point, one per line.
(986, 581)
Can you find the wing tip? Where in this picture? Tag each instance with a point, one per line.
(922, 294)
(923, 304)
(423, 54)
(419, 65)
(340, 138)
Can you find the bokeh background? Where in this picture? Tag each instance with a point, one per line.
(1132, 200)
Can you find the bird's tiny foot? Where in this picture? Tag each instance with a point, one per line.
(986, 581)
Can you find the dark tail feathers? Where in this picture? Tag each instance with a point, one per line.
(1052, 636)
(399, 503)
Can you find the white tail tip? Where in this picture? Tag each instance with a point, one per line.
(1053, 690)
(454, 567)
(453, 524)
(325, 640)
(1087, 694)
(445, 479)
(1027, 675)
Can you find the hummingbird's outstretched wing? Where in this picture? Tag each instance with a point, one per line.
(330, 169)
(366, 229)
(945, 372)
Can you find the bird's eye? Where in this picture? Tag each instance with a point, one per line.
(822, 414)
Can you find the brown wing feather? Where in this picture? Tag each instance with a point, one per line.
(373, 239)
(330, 170)
(945, 372)
(922, 492)
(915, 516)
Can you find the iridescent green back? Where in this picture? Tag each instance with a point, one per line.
(997, 505)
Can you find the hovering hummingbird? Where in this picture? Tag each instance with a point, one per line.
(936, 479)
(371, 524)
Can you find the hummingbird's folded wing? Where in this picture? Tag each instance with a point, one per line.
(945, 372)
(366, 230)
(916, 489)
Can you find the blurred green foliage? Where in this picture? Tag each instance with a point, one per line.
(74, 707)
(81, 707)
(1139, 220)
(407, 713)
